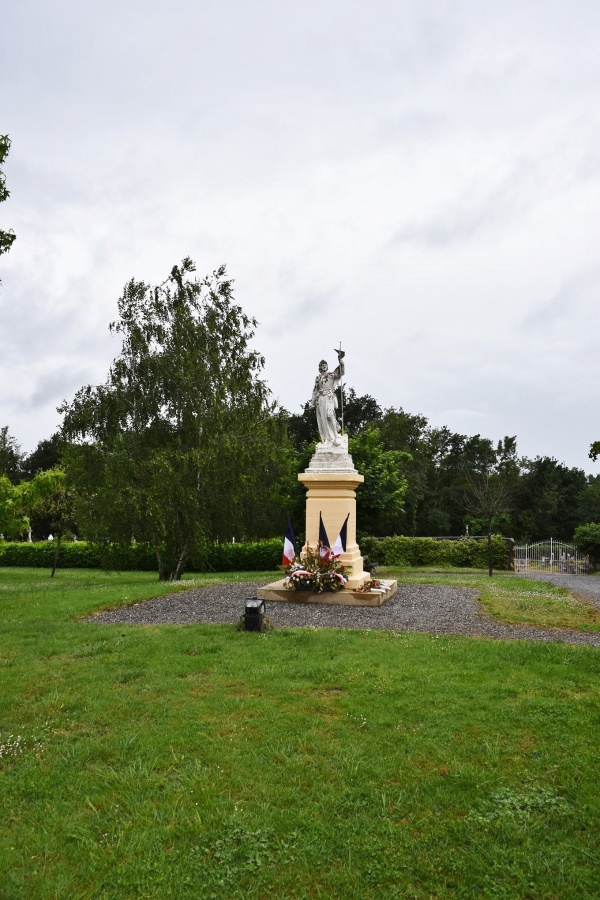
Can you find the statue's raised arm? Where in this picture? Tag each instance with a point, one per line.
(324, 400)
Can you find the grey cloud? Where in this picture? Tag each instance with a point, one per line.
(31, 330)
(573, 308)
(475, 215)
(57, 385)
(302, 305)
(283, 139)
(589, 167)
(315, 304)
(412, 124)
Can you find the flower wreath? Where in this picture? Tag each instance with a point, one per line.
(315, 572)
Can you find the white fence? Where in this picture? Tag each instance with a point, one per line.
(550, 556)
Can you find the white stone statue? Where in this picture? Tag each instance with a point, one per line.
(325, 401)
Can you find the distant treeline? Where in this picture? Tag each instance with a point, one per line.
(417, 479)
(544, 497)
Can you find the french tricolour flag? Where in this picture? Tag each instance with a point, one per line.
(324, 548)
(290, 547)
(340, 542)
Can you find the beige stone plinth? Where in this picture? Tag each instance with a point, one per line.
(278, 593)
(333, 495)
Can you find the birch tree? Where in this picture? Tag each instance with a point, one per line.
(182, 442)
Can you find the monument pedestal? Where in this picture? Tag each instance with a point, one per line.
(331, 481)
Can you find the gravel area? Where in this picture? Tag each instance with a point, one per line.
(429, 608)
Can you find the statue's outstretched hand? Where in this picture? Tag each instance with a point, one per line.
(341, 353)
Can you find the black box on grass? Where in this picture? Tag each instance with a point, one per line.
(254, 618)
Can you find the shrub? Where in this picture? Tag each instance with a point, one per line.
(587, 540)
(253, 556)
(410, 551)
(39, 555)
(79, 555)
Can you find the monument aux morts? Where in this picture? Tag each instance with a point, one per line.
(331, 481)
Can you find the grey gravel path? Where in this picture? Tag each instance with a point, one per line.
(430, 608)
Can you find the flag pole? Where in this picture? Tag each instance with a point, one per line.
(342, 397)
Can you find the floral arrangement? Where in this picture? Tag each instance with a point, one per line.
(315, 572)
(373, 585)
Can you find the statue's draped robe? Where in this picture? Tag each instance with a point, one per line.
(325, 402)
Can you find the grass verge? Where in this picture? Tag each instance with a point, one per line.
(199, 761)
(512, 600)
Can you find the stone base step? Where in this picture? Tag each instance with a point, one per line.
(278, 593)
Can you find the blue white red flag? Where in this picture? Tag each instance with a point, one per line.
(324, 548)
(290, 547)
(340, 542)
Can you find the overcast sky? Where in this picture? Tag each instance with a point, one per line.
(418, 180)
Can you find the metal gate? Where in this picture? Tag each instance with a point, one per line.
(551, 556)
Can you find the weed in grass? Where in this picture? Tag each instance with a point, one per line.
(519, 807)
(238, 851)
(13, 746)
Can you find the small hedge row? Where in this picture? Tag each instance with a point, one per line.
(79, 555)
(414, 551)
(253, 556)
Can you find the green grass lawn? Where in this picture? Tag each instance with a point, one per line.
(199, 761)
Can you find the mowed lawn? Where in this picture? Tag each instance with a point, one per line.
(201, 761)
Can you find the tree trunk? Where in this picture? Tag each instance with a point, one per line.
(490, 553)
(56, 556)
(180, 564)
(162, 576)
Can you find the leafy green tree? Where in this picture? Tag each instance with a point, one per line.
(547, 500)
(491, 484)
(360, 411)
(587, 540)
(6, 237)
(400, 430)
(182, 443)
(10, 456)
(589, 501)
(489, 498)
(381, 497)
(594, 451)
(47, 455)
(302, 428)
(404, 432)
(14, 521)
(449, 457)
(49, 497)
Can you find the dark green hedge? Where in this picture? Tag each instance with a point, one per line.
(262, 555)
(80, 555)
(256, 556)
(411, 551)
